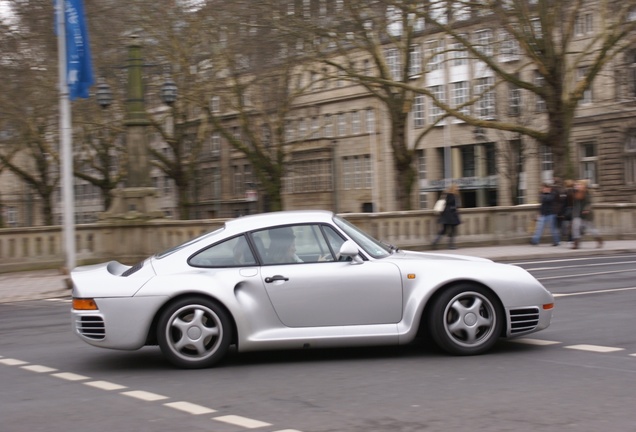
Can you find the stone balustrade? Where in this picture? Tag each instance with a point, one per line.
(41, 247)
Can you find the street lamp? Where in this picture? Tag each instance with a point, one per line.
(169, 92)
(104, 94)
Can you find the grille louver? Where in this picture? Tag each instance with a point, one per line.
(523, 320)
(91, 327)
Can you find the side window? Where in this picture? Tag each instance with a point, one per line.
(293, 244)
(334, 239)
(230, 253)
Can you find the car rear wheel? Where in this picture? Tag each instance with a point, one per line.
(466, 320)
(194, 333)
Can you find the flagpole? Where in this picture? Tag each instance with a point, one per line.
(66, 145)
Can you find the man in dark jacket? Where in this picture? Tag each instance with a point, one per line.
(547, 216)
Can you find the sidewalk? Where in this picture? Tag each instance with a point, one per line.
(48, 284)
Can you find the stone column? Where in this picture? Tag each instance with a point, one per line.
(138, 200)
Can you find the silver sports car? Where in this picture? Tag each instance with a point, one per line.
(301, 279)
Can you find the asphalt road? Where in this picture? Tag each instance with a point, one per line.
(579, 374)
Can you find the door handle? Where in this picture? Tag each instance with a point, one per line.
(275, 278)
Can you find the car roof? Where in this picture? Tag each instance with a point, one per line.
(263, 220)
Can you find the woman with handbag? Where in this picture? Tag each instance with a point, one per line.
(448, 218)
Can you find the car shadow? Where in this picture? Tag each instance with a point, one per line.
(150, 359)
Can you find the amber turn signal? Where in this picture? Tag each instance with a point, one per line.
(84, 304)
(548, 306)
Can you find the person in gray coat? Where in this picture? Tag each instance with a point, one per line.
(449, 218)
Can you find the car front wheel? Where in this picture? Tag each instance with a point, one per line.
(466, 320)
(194, 333)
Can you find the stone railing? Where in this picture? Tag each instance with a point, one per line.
(41, 247)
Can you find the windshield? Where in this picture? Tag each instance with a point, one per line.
(188, 243)
(370, 245)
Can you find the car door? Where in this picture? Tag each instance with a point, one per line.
(332, 293)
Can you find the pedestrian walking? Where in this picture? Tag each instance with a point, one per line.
(582, 215)
(547, 217)
(565, 214)
(448, 218)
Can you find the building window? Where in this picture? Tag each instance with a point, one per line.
(302, 129)
(357, 173)
(418, 111)
(468, 160)
(459, 53)
(491, 159)
(329, 126)
(435, 112)
(484, 42)
(587, 94)
(539, 81)
(342, 124)
(509, 49)
(215, 104)
(547, 164)
(355, 123)
(370, 121)
(584, 24)
(486, 103)
(434, 50)
(215, 143)
(459, 96)
(514, 100)
(393, 61)
(415, 54)
(315, 128)
(630, 158)
(12, 216)
(309, 176)
(422, 177)
(589, 162)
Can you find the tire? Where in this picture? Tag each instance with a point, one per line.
(194, 333)
(466, 320)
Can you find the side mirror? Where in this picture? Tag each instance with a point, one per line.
(350, 249)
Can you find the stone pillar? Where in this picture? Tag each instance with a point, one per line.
(138, 200)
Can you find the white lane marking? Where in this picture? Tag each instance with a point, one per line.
(39, 368)
(245, 422)
(594, 292)
(633, 355)
(190, 408)
(70, 376)
(578, 266)
(571, 275)
(594, 348)
(530, 341)
(12, 362)
(144, 395)
(567, 260)
(105, 385)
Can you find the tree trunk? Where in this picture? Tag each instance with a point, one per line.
(405, 174)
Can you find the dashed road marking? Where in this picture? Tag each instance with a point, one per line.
(144, 395)
(105, 385)
(70, 376)
(594, 348)
(39, 368)
(245, 422)
(190, 408)
(530, 341)
(12, 362)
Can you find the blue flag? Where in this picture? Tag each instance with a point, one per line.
(79, 70)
